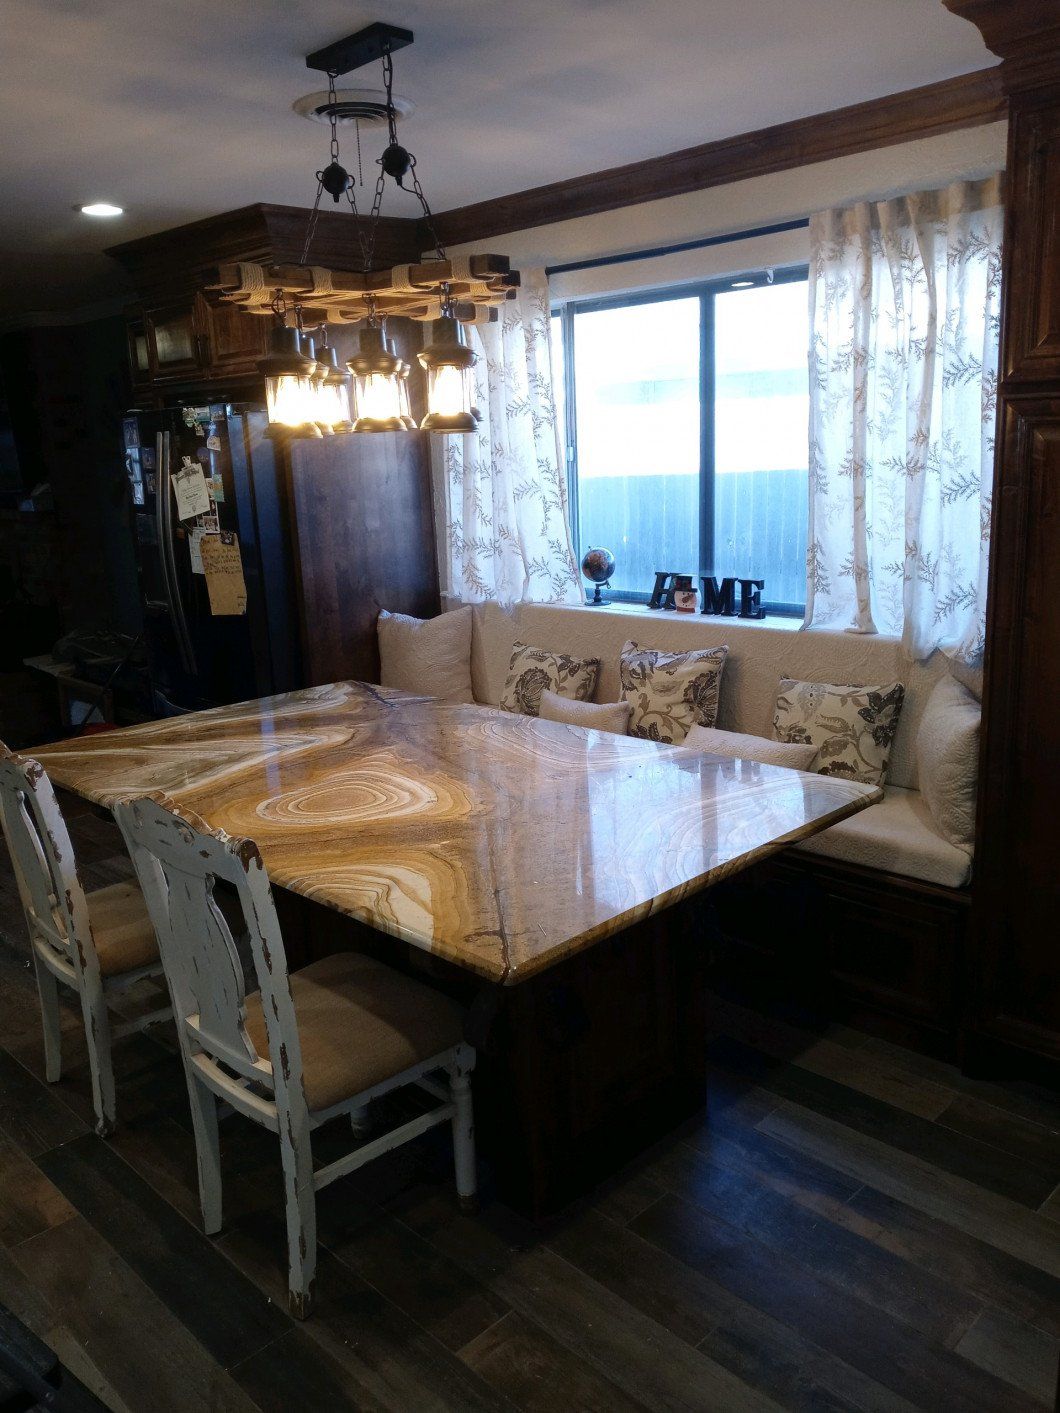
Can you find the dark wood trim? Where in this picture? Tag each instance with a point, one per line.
(1015, 971)
(967, 101)
(1025, 33)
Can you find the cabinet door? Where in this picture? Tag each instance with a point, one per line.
(234, 341)
(173, 342)
(139, 354)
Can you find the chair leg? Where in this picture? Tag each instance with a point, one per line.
(207, 1153)
(464, 1137)
(48, 991)
(97, 1040)
(297, 1160)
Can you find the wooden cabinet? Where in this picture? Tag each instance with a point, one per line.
(172, 342)
(233, 342)
(186, 343)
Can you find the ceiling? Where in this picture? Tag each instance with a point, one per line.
(182, 109)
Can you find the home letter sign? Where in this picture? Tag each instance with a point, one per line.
(720, 598)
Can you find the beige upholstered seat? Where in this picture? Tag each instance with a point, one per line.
(121, 929)
(359, 1022)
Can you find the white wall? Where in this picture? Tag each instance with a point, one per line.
(759, 201)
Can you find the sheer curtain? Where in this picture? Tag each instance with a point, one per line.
(904, 310)
(506, 523)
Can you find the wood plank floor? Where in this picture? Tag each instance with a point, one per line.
(848, 1226)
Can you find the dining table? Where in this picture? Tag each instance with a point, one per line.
(550, 875)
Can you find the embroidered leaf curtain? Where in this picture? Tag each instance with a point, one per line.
(506, 522)
(904, 310)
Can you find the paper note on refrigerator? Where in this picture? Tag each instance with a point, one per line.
(195, 538)
(224, 573)
(189, 487)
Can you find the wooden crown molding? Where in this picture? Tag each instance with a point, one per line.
(967, 101)
(1024, 33)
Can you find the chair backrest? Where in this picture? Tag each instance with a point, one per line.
(43, 858)
(179, 861)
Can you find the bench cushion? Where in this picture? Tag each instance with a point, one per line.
(899, 836)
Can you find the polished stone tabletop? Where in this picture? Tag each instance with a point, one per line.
(500, 842)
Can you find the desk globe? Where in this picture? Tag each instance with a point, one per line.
(598, 565)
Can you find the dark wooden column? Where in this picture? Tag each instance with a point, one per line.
(1015, 1010)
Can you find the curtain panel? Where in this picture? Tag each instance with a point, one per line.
(904, 313)
(506, 532)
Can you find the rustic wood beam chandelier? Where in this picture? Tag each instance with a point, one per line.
(448, 292)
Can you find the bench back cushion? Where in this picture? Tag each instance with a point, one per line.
(759, 656)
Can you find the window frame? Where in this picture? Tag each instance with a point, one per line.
(705, 291)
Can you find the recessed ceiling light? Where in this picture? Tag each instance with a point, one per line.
(101, 208)
(742, 284)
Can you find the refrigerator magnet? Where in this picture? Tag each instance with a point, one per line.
(189, 487)
(216, 487)
(213, 442)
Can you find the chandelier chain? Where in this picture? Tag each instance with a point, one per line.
(311, 227)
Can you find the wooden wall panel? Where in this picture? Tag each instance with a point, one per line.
(364, 528)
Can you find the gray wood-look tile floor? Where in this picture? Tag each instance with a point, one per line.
(850, 1225)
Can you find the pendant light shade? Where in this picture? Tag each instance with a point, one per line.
(317, 407)
(450, 387)
(336, 391)
(405, 410)
(376, 384)
(289, 395)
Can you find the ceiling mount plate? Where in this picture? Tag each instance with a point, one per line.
(359, 49)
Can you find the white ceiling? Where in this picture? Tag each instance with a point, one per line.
(179, 109)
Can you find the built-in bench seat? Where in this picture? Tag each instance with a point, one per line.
(897, 836)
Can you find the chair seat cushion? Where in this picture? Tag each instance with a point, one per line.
(121, 929)
(359, 1023)
(897, 835)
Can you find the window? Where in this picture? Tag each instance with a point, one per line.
(686, 424)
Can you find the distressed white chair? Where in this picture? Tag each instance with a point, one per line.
(99, 943)
(346, 1029)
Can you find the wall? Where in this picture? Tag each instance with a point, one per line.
(768, 200)
(71, 387)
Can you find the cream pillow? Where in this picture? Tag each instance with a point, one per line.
(429, 656)
(536, 670)
(740, 747)
(596, 716)
(670, 692)
(947, 760)
(851, 727)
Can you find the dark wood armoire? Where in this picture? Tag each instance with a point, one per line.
(1014, 1010)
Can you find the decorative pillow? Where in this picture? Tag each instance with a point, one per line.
(737, 746)
(605, 716)
(947, 760)
(430, 656)
(670, 692)
(536, 670)
(851, 727)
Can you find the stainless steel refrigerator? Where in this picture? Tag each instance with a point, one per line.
(196, 656)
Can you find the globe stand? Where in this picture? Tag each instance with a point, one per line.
(596, 601)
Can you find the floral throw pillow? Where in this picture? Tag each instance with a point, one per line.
(670, 692)
(852, 727)
(536, 670)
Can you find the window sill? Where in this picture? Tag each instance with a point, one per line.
(640, 610)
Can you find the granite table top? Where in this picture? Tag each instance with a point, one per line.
(503, 843)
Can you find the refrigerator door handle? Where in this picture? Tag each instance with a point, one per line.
(168, 558)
